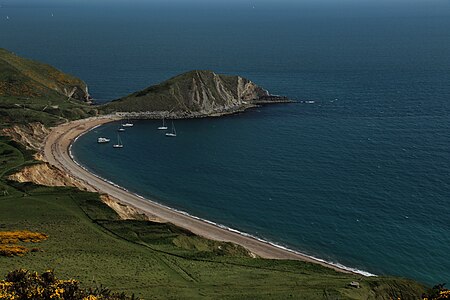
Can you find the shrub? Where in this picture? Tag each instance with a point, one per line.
(13, 250)
(9, 240)
(13, 237)
(22, 284)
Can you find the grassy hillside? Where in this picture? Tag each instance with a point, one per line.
(87, 241)
(194, 91)
(36, 92)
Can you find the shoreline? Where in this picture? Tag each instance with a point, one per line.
(57, 151)
(157, 115)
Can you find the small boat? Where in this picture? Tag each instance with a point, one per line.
(120, 129)
(119, 142)
(127, 124)
(163, 127)
(102, 140)
(173, 133)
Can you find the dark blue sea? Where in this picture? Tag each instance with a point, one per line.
(360, 177)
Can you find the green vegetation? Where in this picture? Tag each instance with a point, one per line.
(88, 242)
(35, 92)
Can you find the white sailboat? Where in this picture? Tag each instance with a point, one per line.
(102, 140)
(173, 133)
(128, 124)
(119, 142)
(163, 127)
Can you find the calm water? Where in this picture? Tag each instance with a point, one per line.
(360, 177)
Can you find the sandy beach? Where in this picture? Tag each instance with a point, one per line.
(56, 152)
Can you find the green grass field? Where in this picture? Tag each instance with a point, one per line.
(88, 242)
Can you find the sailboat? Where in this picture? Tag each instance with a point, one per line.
(128, 124)
(163, 127)
(119, 142)
(173, 133)
(102, 140)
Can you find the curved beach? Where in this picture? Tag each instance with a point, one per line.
(57, 153)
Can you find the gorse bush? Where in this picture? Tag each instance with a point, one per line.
(9, 240)
(13, 237)
(22, 284)
(13, 250)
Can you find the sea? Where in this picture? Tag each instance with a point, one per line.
(356, 172)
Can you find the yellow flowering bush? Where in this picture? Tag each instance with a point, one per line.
(9, 240)
(13, 237)
(22, 284)
(12, 250)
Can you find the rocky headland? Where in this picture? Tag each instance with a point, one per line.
(193, 94)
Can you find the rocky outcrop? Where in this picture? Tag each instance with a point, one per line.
(45, 174)
(194, 94)
(127, 212)
(31, 135)
(210, 92)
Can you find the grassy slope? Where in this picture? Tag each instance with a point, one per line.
(88, 242)
(32, 92)
(40, 74)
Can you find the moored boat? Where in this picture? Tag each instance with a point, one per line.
(127, 124)
(119, 142)
(173, 133)
(163, 127)
(102, 140)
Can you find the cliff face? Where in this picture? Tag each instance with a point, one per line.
(32, 135)
(45, 174)
(209, 92)
(126, 212)
(192, 94)
(21, 77)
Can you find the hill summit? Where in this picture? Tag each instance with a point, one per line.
(25, 78)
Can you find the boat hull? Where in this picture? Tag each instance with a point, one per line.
(103, 140)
